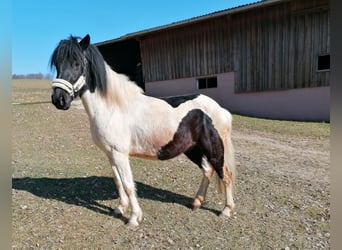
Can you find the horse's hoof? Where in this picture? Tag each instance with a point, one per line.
(140, 217)
(132, 225)
(224, 216)
(226, 213)
(195, 204)
(118, 212)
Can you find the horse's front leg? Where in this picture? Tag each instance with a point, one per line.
(122, 169)
(123, 200)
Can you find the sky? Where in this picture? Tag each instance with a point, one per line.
(39, 25)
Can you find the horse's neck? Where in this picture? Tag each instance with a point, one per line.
(91, 103)
(121, 94)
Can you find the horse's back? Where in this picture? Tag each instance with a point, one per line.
(220, 116)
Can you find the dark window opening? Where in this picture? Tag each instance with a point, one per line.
(323, 62)
(205, 83)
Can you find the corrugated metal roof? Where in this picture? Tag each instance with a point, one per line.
(215, 14)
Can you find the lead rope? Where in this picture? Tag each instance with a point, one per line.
(67, 86)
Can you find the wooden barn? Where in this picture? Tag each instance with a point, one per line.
(267, 59)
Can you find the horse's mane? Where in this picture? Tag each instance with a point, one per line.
(121, 90)
(70, 49)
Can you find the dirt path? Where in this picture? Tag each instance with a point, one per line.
(295, 157)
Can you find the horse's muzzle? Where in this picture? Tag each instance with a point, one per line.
(61, 99)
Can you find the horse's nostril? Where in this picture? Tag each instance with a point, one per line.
(61, 100)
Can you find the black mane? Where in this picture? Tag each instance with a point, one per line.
(70, 49)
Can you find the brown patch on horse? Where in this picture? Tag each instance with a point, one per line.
(196, 130)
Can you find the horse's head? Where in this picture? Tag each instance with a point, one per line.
(71, 65)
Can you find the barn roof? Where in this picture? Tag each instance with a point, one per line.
(215, 14)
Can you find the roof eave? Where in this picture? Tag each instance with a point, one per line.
(138, 34)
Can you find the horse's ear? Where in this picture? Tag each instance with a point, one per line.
(84, 43)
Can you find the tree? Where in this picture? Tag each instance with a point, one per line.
(37, 76)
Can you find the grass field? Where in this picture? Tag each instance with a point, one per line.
(63, 192)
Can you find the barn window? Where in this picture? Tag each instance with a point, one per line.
(205, 83)
(323, 62)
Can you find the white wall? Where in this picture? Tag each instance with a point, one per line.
(312, 104)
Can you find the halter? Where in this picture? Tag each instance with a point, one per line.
(72, 89)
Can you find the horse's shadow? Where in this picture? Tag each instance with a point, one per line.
(87, 191)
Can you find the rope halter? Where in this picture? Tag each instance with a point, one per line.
(72, 89)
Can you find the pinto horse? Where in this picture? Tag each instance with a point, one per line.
(124, 122)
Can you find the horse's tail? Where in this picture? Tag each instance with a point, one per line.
(229, 154)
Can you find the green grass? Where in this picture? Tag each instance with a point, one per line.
(292, 128)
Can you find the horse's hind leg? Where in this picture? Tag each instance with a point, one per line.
(227, 184)
(220, 153)
(208, 172)
(195, 154)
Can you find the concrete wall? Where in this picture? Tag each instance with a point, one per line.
(306, 104)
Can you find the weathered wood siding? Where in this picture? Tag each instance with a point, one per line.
(193, 50)
(274, 47)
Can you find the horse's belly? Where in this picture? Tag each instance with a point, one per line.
(147, 144)
(144, 156)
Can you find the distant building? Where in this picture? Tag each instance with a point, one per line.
(267, 59)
